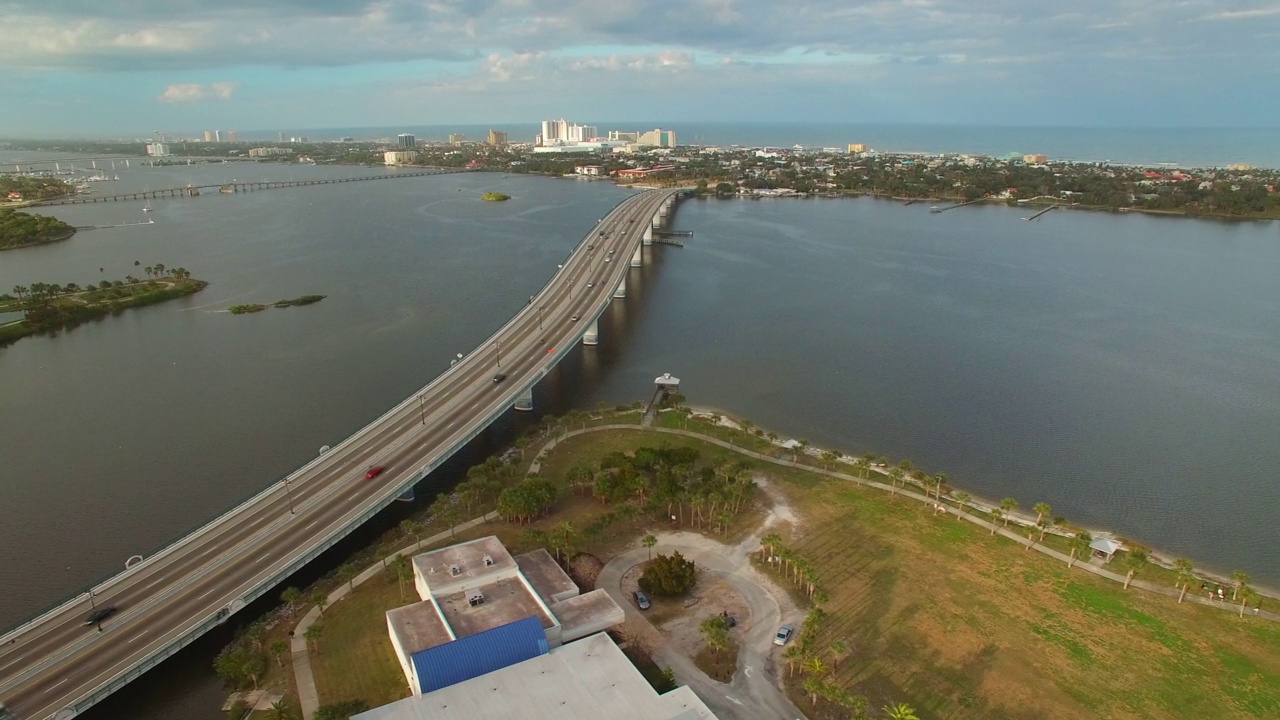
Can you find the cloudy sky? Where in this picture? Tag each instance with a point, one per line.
(95, 67)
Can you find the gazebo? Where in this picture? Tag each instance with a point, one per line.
(1105, 548)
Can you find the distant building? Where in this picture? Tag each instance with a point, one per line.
(232, 136)
(217, 136)
(405, 141)
(157, 149)
(268, 152)
(857, 148)
(457, 138)
(657, 138)
(280, 136)
(1035, 159)
(399, 157)
(555, 131)
(589, 170)
(483, 610)
(623, 136)
(497, 138)
(208, 136)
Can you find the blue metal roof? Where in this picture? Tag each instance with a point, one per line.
(475, 655)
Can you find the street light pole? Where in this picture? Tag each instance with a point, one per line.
(422, 408)
(288, 496)
(92, 604)
(540, 307)
(497, 348)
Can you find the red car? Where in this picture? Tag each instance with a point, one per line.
(374, 472)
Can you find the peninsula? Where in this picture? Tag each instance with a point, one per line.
(48, 307)
(20, 229)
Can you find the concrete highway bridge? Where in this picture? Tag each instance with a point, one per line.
(238, 187)
(58, 665)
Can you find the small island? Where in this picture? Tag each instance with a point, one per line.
(20, 229)
(249, 308)
(495, 197)
(48, 307)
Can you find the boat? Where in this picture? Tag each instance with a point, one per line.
(146, 206)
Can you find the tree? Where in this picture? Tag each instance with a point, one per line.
(962, 499)
(813, 687)
(281, 710)
(996, 514)
(1079, 546)
(1240, 579)
(1008, 505)
(1248, 595)
(829, 457)
(238, 665)
(1041, 509)
(715, 630)
(839, 650)
(401, 568)
(412, 528)
(816, 666)
(895, 475)
(792, 655)
(900, 711)
(320, 599)
(562, 539)
(940, 481)
(291, 597)
(649, 541)
(1045, 526)
(669, 575)
(347, 573)
(1134, 560)
(1186, 573)
(313, 634)
(278, 650)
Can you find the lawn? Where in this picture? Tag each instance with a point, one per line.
(961, 624)
(353, 658)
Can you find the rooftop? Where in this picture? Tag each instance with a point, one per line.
(587, 679)
(546, 577)
(505, 601)
(418, 626)
(470, 561)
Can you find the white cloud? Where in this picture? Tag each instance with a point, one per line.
(193, 92)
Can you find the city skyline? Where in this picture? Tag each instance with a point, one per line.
(95, 70)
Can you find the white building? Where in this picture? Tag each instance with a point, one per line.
(157, 149)
(399, 157)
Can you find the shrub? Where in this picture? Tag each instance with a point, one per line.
(669, 575)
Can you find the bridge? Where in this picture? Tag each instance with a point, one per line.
(238, 187)
(58, 664)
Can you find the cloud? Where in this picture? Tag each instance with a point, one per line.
(192, 92)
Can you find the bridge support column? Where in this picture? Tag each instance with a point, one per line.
(637, 258)
(592, 335)
(656, 222)
(648, 236)
(621, 290)
(524, 401)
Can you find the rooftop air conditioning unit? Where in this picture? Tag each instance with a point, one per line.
(454, 570)
(488, 560)
(475, 598)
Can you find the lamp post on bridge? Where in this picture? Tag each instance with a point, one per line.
(497, 348)
(288, 496)
(540, 309)
(422, 409)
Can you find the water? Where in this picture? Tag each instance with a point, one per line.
(1119, 367)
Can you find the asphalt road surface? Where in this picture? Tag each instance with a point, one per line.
(57, 660)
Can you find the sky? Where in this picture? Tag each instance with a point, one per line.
(109, 67)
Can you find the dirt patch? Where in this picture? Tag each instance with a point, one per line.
(584, 569)
(718, 666)
(714, 596)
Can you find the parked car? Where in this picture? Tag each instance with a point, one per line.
(642, 600)
(784, 634)
(100, 614)
(374, 472)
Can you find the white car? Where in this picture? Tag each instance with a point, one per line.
(590, 285)
(573, 318)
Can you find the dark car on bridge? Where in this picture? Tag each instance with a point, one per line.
(499, 378)
(100, 614)
(374, 472)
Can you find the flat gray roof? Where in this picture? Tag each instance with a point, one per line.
(469, 557)
(583, 680)
(418, 626)
(505, 601)
(544, 574)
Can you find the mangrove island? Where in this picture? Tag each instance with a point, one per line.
(495, 197)
(259, 307)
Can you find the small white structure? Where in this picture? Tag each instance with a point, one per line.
(1105, 548)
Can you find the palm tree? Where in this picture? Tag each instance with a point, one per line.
(815, 666)
(1045, 526)
(962, 498)
(649, 541)
(320, 599)
(347, 572)
(829, 457)
(814, 687)
(1247, 595)
(1041, 509)
(804, 449)
(1241, 580)
(791, 655)
(1079, 544)
(314, 631)
(895, 475)
(401, 568)
(773, 437)
(901, 711)
(839, 651)
(996, 514)
(291, 597)
(1186, 573)
(280, 710)
(1134, 560)
(278, 650)
(941, 480)
(1008, 505)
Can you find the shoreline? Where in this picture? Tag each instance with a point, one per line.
(38, 243)
(1159, 557)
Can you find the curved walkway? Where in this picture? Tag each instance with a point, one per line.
(903, 492)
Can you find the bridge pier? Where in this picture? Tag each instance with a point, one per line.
(656, 222)
(621, 290)
(637, 258)
(648, 236)
(592, 335)
(524, 401)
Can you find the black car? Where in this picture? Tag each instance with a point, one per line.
(100, 614)
(499, 378)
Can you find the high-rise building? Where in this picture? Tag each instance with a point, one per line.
(855, 148)
(457, 138)
(157, 149)
(623, 136)
(582, 133)
(280, 136)
(497, 138)
(217, 136)
(405, 141)
(208, 136)
(658, 138)
(232, 136)
(555, 132)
